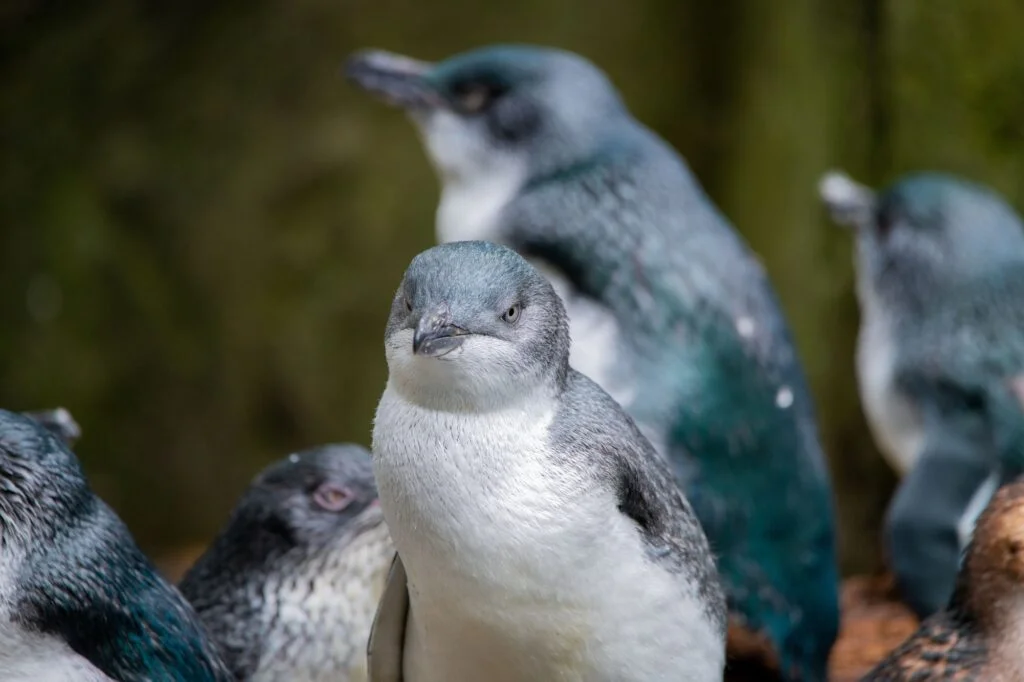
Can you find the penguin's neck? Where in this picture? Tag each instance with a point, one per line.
(901, 291)
(479, 498)
(471, 203)
(892, 419)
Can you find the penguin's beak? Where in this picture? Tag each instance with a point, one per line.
(436, 335)
(849, 203)
(394, 78)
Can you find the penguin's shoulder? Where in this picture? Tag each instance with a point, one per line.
(579, 213)
(593, 432)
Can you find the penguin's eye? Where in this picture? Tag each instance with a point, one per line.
(885, 221)
(408, 305)
(511, 316)
(332, 498)
(472, 98)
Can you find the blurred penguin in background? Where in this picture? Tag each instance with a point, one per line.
(670, 312)
(940, 359)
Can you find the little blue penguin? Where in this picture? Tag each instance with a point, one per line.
(59, 421)
(289, 588)
(979, 636)
(78, 599)
(541, 535)
(670, 311)
(940, 359)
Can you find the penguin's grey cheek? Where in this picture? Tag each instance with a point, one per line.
(513, 120)
(398, 343)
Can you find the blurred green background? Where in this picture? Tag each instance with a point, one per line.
(201, 223)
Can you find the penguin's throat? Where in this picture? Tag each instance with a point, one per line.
(469, 397)
(464, 385)
(471, 203)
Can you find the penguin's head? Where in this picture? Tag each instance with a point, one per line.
(474, 323)
(927, 229)
(498, 112)
(42, 485)
(315, 499)
(59, 421)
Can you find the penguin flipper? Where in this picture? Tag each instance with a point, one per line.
(386, 645)
(923, 522)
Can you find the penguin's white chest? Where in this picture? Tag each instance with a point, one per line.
(520, 566)
(32, 657)
(893, 420)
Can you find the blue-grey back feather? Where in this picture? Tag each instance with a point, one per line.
(83, 578)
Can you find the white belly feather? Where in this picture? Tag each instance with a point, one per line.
(32, 657)
(521, 571)
(894, 422)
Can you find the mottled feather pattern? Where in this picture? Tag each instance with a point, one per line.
(223, 589)
(979, 635)
(288, 589)
(736, 414)
(312, 617)
(946, 648)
